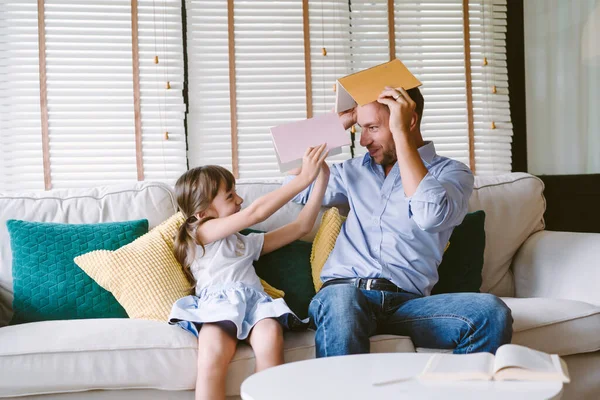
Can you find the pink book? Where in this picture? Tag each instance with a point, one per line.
(291, 140)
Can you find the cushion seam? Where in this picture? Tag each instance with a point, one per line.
(513, 181)
(559, 321)
(312, 346)
(595, 349)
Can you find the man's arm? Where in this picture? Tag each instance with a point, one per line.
(441, 203)
(435, 204)
(335, 194)
(403, 120)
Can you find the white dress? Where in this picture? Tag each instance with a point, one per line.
(228, 289)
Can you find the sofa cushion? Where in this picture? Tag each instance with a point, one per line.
(514, 207)
(152, 201)
(47, 283)
(460, 269)
(144, 276)
(555, 326)
(80, 355)
(299, 346)
(560, 265)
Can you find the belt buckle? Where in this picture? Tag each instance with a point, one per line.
(368, 286)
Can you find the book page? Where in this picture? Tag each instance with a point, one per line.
(513, 355)
(455, 367)
(292, 139)
(514, 362)
(343, 100)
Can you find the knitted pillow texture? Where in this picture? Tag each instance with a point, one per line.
(47, 284)
(331, 224)
(144, 276)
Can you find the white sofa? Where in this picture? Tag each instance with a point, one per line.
(548, 279)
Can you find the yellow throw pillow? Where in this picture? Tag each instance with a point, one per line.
(144, 276)
(331, 224)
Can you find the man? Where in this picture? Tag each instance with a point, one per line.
(405, 200)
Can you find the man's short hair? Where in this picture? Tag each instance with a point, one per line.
(417, 97)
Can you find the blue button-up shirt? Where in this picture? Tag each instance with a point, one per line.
(387, 234)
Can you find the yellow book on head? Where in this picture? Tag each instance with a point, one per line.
(365, 86)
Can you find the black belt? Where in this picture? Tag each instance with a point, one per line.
(366, 283)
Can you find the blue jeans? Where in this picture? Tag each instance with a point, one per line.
(345, 317)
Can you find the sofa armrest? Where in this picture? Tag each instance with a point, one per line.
(560, 265)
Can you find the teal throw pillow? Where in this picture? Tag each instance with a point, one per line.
(288, 269)
(460, 269)
(47, 284)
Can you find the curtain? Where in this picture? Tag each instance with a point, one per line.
(562, 68)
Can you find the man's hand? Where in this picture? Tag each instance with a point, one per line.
(348, 117)
(401, 107)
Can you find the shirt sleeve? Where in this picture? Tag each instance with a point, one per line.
(336, 193)
(254, 244)
(441, 202)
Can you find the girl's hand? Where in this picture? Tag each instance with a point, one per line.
(311, 162)
(324, 171)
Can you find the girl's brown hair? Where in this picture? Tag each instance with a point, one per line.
(195, 190)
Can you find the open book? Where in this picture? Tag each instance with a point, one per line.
(365, 86)
(512, 362)
(292, 139)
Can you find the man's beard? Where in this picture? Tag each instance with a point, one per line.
(388, 158)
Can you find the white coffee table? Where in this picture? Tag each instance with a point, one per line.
(354, 377)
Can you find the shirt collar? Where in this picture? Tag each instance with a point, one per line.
(427, 153)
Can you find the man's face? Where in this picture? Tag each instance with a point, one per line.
(376, 135)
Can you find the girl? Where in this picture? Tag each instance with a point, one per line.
(230, 303)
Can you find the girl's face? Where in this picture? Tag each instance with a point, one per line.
(225, 204)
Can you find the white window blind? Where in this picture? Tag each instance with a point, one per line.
(209, 117)
(429, 38)
(270, 81)
(163, 110)
(90, 92)
(430, 42)
(21, 165)
(369, 44)
(488, 40)
(355, 37)
(328, 23)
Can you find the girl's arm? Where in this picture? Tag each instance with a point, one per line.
(263, 207)
(305, 220)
